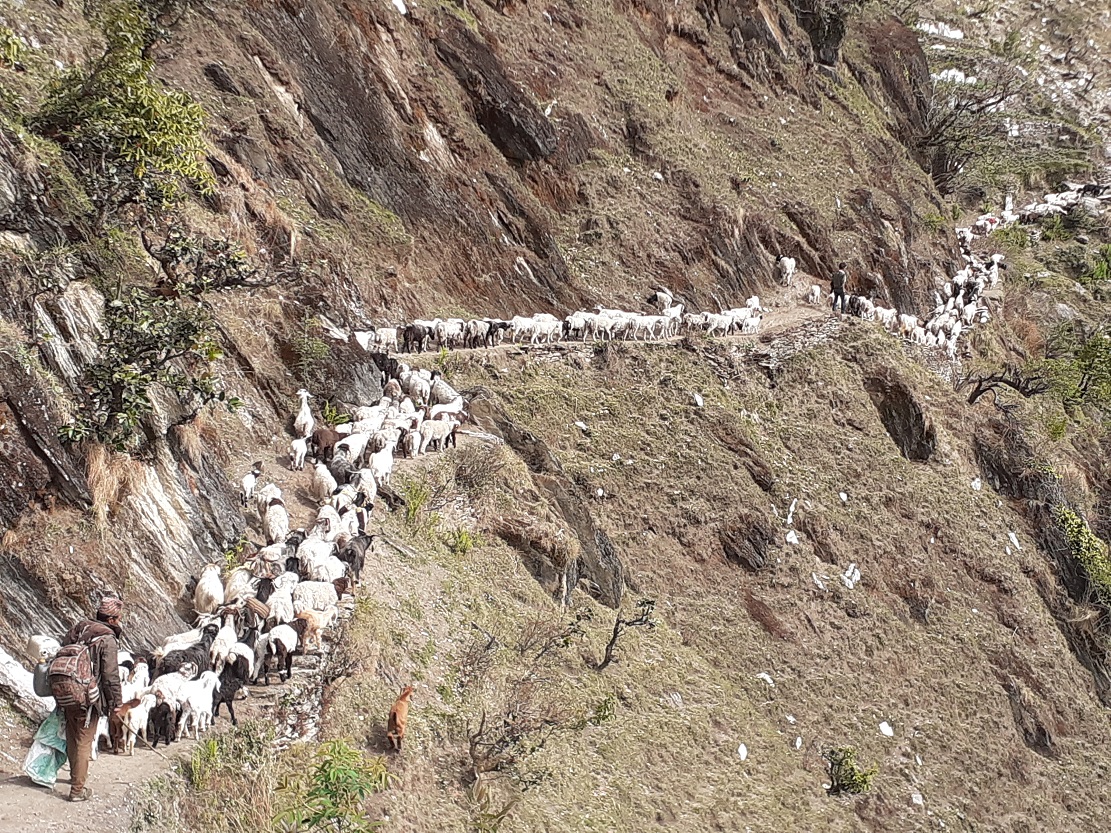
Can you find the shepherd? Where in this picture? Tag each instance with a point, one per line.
(85, 682)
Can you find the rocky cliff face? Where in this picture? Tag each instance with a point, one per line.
(498, 160)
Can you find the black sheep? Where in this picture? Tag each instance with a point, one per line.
(197, 654)
(354, 554)
(235, 675)
(265, 588)
(415, 338)
(161, 724)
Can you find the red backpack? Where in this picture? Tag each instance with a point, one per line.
(73, 680)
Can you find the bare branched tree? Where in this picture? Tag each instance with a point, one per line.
(965, 116)
(642, 620)
(1026, 383)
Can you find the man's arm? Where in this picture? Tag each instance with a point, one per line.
(110, 690)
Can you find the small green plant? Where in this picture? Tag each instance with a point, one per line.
(310, 352)
(330, 796)
(333, 415)
(202, 764)
(1087, 550)
(233, 555)
(461, 541)
(604, 711)
(935, 222)
(845, 774)
(12, 48)
(417, 494)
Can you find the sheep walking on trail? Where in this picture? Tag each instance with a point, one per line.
(249, 481)
(209, 593)
(303, 423)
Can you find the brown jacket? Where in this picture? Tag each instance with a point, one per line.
(105, 659)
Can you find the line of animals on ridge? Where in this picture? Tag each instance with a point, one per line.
(280, 599)
(959, 305)
(959, 302)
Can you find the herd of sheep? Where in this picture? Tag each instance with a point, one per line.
(280, 597)
(253, 616)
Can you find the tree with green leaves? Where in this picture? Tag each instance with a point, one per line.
(134, 141)
(147, 340)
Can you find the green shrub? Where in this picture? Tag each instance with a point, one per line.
(12, 48)
(1099, 269)
(1057, 426)
(1013, 235)
(417, 495)
(333, 415)
(1055, 230)
(310, 352)
(935, 222)
(148, 340)
(1087, 550)
(330, 796)
(845, 774)
(134, 141)
(461, 541)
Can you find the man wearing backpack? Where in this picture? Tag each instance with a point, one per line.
(837, 284)
(86, 684)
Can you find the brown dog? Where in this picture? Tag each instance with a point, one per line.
(399, 716)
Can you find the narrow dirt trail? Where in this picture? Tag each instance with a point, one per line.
(116, 780)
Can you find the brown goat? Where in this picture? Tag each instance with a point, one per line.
(399, 716)
(317, 621)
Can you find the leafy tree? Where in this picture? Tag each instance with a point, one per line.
(148, 339)
(135, 142)
(1078, 365)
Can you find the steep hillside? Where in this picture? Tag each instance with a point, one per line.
(200, 205)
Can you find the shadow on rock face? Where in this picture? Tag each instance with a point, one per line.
(909, 426)
(595, 558)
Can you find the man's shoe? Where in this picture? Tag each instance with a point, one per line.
(84, 795)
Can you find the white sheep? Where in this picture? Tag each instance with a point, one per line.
(303, 423)
(209, 593)
(751, 325)
(381, 464)
(314, 595)
(386, 337)
(327, 569)
(263, 497)
(786, 269)
(323, 484)
(814, 296)
(249, 481)
(241, 582)
(281, 604)
(225, 638)
(196, 704)
(298, 450)
(135, 722)
(436, 430)
(276, 521)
